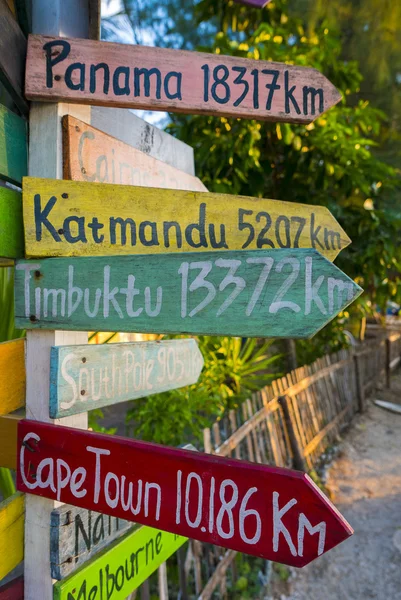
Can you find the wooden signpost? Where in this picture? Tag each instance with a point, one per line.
(91, 376)
(76, 535)
(108, 74)
(121, 568)
(260, 293)
(13, 147)
(11, 533)
(91, 155)
(12, 383)
(68, 218)
(11, 227)
(269, 512)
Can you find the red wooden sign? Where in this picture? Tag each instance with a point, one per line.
(14, 590)
(270, 512)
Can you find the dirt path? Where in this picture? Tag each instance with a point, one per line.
(365, 482)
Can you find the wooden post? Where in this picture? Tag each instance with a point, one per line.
(45, 160)
(388, 362)
(182, 573)
(298, 457)
(359, 384)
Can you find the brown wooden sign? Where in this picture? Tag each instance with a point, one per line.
(91, 155)
(108, 74)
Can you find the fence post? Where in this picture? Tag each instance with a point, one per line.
(298, 456)
(359, 384)
(388, 362)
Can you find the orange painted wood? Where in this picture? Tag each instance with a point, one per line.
(109, 74)
(91, 155)
(8, 441)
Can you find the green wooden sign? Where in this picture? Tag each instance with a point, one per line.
(11, 228)
(253, 293)
(13, 147)
(121, 568)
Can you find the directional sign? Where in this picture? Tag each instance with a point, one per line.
(66, 218)
(107, 74)
(122, 567)
(91, 376)
(270, 512)
(11, 228)
(13, 146)
(91, 155)
(12, 382)
(8, 441)
(76, 535)
(260, 293)
(14, 590)
(254, 3)
(11, 533)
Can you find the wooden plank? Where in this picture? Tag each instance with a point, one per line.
(104, 74)
(12, 57)
(14, 590)
(323, 432)
(91, 376)
(91, 155)
(159, 486)
(8, 441)
(12, 384)
(130, 129)
(11, 533)
(13, 147)
(218, 574)
(77, 535)
(122, 567)
(116, 219)
(11, 227)
(65, 292)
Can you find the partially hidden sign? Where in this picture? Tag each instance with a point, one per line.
(274, 513)
(11, 227)
(121, 568)
(68, 218)
(8, 441)
(11, 533)
(76, 535)
(91, 155)
(109, 74)
(91, 376)
(260, 293)
(12, 382)
(13, 590)
(13, 147)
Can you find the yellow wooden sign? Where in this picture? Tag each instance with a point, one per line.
(12, 381)
(8, 441)
(71, 218)
(11, 533)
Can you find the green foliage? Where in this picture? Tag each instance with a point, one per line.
(233, 369)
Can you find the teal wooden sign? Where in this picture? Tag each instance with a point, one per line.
(13, 147)
(77, 534)
(121, 568)
(94, 375)
(11, 227)
(252, 293)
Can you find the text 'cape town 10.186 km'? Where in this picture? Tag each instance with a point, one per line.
(259, 293)
(70, 218)
(274, 513)
(109, 74)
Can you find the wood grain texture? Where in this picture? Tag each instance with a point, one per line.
(86, 377)
(77, 535)
(8, 441)
(13, 147)
(12, 384)
(259, 293)
(14, 590)
(107, 74)
(71, 218)
(11, 228)
(11, 533)
(130, 129)
(181, 491)
(122, 567)
(12, 57)
(91, 155)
